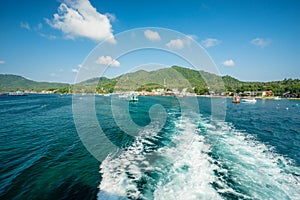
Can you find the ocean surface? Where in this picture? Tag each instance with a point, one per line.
(164, 148)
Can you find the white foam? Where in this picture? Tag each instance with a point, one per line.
(184, 167)
(187, 171)
(114, 178)
(120, 174)
(191, 175)
(255, 167)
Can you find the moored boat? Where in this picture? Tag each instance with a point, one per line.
(277, 98)
(124, 96)
(133, 98)
(236, 99)
(249, 100)
(17, 93)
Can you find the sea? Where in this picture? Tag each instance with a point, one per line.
(157, 148)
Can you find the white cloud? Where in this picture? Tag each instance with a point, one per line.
(75, 70)
(152, 35)
(2, 62)
(181, 43)
(107, 60)
(210, 42)
(112, 17)
(260, 42)
(175, 44)
(25, 25)
(50, 37)
(78, 18)
(228, 63)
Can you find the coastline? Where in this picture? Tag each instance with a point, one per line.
(109, 94)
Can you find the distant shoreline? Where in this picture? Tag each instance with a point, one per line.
(97, 94)
(160, 82)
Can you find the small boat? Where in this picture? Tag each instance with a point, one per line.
(133, 98)
(249, 100)
(236, 99)
(17, 93)
(277, 98)
(124, 96)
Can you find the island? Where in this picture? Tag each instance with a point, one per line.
(175, 80)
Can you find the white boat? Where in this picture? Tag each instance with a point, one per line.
(277, 98)
(17, 93)
(124, 96)
(249, 100)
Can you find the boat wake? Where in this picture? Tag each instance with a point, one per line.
(194, 158)
(247, 168)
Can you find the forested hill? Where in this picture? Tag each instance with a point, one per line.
(166, 78)
(180, 77)
(9, 82)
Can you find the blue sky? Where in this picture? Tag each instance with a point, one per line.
(250, 40)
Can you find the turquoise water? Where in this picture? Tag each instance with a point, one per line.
(253, 154)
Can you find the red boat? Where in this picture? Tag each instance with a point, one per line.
(236, 99)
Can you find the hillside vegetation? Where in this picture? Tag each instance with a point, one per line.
(9, 83)
(200, 82)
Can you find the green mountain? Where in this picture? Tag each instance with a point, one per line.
(200, 82)
(167, 78)
(10, 82)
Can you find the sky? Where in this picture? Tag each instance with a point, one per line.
(251, 40)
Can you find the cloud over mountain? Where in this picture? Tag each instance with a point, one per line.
(228, 63)
(107, 60)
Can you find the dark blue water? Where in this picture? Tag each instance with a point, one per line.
(41, 154)
(173, 152)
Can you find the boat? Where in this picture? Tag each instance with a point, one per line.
(124, 96)
(249, 100)
(236, 99)
(133, 98)
(277, 98)
(17, 93)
